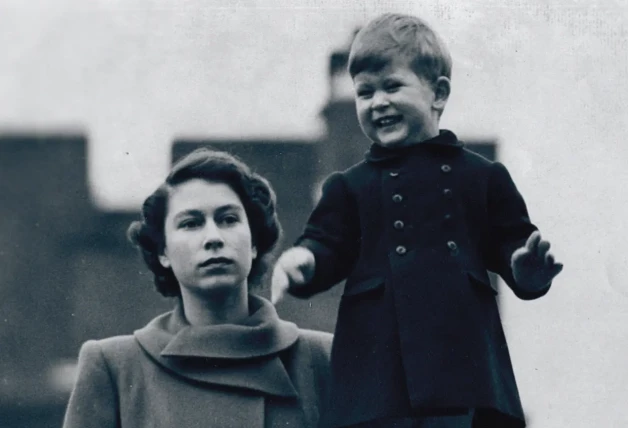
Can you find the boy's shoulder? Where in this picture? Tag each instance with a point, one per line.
(475, 158)
(461, 158)
(461, 154)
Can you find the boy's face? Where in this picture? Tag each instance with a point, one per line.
(395, 107)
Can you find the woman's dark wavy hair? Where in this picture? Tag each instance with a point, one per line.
(255, 192)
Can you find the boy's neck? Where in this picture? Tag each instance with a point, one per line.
(436, 139)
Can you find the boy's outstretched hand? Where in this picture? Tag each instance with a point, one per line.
(295, 267)
(533, 267)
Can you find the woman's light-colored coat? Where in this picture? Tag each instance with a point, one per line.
(264, 373)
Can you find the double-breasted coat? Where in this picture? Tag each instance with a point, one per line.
(263, 373)
(414, 232)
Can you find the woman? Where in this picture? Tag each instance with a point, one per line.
(221, 357)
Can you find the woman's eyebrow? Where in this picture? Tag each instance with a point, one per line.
(186, 213)
(229, 207)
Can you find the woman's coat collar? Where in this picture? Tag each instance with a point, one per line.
(244, 355)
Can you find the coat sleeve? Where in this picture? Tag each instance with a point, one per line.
(321, 356)
(509, 227)
(332, 234)
(93, 402)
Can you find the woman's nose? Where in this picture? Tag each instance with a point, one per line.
(213, 236)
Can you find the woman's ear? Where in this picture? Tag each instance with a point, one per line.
(164, 260)
(442, 89)
(254, 252)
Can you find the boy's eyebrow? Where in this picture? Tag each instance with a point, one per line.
(393, 78)
(359, 84)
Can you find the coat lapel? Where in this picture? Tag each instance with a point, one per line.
(241, 356)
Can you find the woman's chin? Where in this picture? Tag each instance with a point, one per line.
(224, 284)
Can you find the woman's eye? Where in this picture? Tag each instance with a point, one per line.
(230, 219)
(393, 87)
(190, 223)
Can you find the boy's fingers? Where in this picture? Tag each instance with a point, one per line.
(279, 284)
(542, 249)
(520, 252)
(533, 240)
(551, 266)
(556, 269)
(274, 297)
(297, 277)
(279, 294)
(549, 259)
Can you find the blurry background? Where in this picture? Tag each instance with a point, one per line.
(98, 98)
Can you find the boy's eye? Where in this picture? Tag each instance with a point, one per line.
(364, 93)
(393, 87)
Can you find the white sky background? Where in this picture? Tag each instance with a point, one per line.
(548, 79)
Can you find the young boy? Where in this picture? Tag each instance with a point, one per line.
(413, 229)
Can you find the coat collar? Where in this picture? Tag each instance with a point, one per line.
(445, 141)
(243, 355)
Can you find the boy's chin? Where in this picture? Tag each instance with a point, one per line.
(392, 143)
(391, 140)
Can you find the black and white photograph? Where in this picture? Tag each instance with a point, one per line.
(313, 214)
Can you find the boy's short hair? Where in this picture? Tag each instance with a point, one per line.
(391, 36)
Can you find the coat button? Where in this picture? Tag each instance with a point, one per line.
(453, 247)
(447, 193)
(447, 217)
(393, 174)
(398, 225)
(445, 168)
(397, 198)
(401, 250)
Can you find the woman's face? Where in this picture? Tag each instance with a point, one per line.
(208, 242)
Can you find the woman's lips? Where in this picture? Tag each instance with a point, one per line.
(216, 262)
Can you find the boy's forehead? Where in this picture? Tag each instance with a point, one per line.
(388, 68)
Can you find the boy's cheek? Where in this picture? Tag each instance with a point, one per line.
(362, 120)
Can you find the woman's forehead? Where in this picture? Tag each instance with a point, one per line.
(202, 195)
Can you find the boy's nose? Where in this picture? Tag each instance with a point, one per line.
(379, 101)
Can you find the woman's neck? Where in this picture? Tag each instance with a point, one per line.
(215, 308)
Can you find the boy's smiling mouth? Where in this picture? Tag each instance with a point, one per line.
(384, 121)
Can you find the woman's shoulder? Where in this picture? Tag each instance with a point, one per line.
(317, 337)
(319, 342)
(110, 349)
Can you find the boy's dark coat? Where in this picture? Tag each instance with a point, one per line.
(414, 232)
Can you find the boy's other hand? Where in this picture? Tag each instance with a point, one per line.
(533, 267)
(295, 267)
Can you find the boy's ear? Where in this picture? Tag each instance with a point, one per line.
(442, 89)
